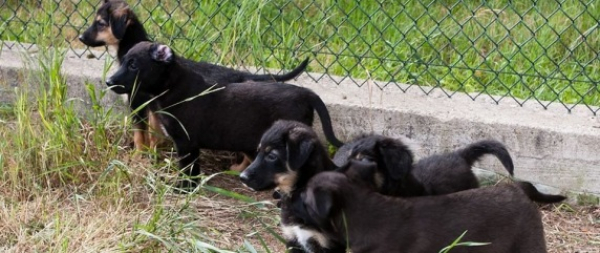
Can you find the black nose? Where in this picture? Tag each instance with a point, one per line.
(109, 82)
(80, 38)
(244, 177)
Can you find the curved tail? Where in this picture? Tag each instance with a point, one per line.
(323, 113)
(280, 78)
(476, 150)
(537, 196)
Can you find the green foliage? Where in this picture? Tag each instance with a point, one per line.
(541, 49)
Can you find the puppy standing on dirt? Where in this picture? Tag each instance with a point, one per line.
(289, 154)
(116, 25)
(233, 118)
(367, 221)
(433, 175)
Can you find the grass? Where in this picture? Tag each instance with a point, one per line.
(545, 50)
(69, 183)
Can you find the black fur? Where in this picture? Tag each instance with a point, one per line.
(232, 118)
(501, 215)
(537, 196)
(433, 175)
(289, 154)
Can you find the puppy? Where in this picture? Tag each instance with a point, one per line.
(366, 221)
(116, 25)
(434, 175)
(289, 154)
(232, 118)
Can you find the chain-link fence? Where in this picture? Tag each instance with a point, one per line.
(545, 51)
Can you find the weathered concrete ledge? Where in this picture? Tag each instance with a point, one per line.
(550, 146)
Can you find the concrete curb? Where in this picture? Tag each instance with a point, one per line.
(550, 147)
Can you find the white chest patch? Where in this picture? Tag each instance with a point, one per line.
(303, 236)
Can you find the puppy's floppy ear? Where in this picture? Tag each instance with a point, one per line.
(298, 148)
(319, 205)
(119, 19)
(397, 158)
(161, 53)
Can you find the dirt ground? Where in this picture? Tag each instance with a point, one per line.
(568, 229)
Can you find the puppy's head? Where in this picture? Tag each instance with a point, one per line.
(322, 198)
(363, 172)
(283, 150)
(393, 159)
(108, 28)
(144, 68)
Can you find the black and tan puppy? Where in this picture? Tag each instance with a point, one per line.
(289, 154)
(233, 118)
(366, 221)
(433, 175)
(116, 25)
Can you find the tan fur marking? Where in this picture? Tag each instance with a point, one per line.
(139, 140)
(241, 166)
(107, 36)
(155, 134)
(285, 181)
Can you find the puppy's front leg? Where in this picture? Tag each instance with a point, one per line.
(139, 122)
(139, 137)
(189, 163)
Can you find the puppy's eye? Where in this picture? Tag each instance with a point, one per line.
(131, 65)
(101, 23)
(271, 157)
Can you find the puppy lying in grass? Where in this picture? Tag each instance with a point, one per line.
(397, 175)
(115, 24)
(232, 118)
(348, 213)
(289, 155)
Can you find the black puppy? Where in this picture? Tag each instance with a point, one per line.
(433, 175)
(367, 221)
(289, 154)
(232, 118)
(116, 25)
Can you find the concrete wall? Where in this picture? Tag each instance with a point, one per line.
(549, 146)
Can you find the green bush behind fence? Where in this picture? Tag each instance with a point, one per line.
(538, 51)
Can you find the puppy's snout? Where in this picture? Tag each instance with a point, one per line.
(81, 38)
(110, 82)
(244, 177)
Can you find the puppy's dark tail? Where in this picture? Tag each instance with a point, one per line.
(537, 196)
(473, 152)
(281, 78)
(317, 103)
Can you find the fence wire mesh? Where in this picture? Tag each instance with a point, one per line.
(545, 51)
